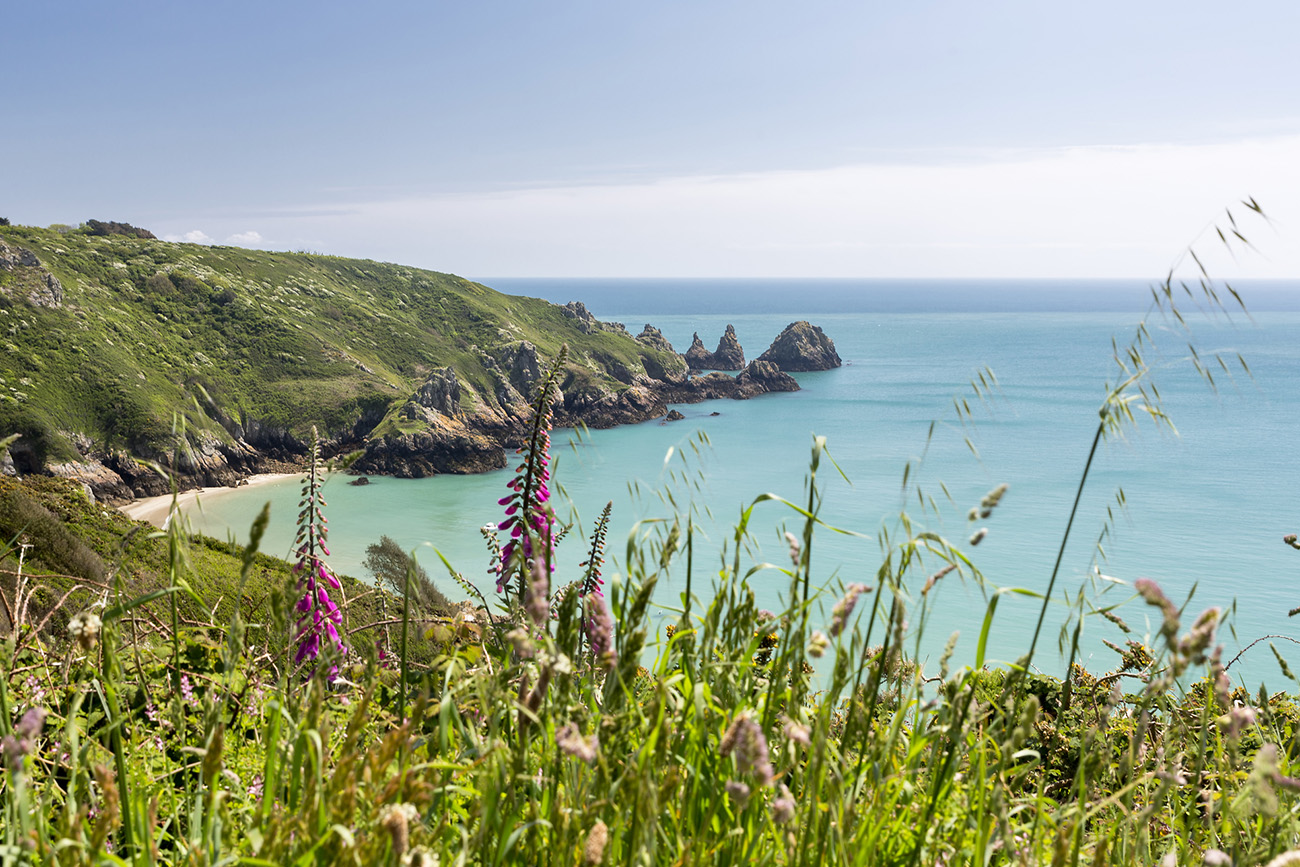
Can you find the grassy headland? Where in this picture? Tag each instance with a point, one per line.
(106, 339)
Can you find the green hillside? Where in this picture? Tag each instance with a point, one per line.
(107, 337)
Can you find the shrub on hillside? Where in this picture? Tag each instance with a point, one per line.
(53, 545)
(100, 227)
(389, 563)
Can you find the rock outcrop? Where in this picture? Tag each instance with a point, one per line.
(589, 324)
(652, 336)
(36, 283)
(697, 357)
(728, 356)
(802, 347)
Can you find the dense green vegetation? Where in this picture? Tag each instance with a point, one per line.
(153, 709)
(148, 328)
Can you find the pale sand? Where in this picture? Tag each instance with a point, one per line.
(156, 509)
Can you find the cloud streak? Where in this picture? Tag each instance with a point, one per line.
(1076, 212)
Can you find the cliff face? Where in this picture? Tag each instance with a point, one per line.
(124, 353)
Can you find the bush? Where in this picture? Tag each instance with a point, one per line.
(99, 227)
(53, 544)
(388, 563)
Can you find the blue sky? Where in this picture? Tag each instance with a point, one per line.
(665, 139)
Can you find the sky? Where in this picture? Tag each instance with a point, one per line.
(669, 139)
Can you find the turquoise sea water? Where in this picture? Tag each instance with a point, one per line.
(1206, 509)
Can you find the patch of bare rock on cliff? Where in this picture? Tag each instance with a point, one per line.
(36, 284)
(802, 347)
(451, 440)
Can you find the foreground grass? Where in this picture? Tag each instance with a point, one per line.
(530, 748)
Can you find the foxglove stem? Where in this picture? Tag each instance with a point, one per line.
(318, 616)
(529, 517)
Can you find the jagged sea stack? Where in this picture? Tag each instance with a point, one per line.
(801, 347)
(729, 355)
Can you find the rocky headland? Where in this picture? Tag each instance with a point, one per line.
(126, 354)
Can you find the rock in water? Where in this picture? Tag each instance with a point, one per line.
(674, 415)
(729, 355)
(697, 357)
(802, 347)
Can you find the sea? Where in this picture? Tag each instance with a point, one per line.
(949, 388)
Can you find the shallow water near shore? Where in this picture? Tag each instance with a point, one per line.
(1205, 513)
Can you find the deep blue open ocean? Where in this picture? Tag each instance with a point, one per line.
(1205, 513)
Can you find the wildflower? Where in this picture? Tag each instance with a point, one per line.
(318, 616)
(745, 742)
(990, 501)
(397, 820)
(1152, 594)
(535, 594)
(525, 647)
(793, 541)
(22, 743)
(594, 851)
(422, 857)
(798, 732)
(1216, 858)
(187, 691)
(844, 608)
(84, 629)
(783, 806)
(1235, 721)
(1193, 644)
(600, 629)
(934, 579)
(738, 792)
(591, 580)
(572, 743)
(817, 644)
(529, 517)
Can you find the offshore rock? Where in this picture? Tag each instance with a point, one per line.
(674, 415)
(802, 347)
(697, 357)
(728, 356)
(763, 377)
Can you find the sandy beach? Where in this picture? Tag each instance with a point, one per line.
(155, 509)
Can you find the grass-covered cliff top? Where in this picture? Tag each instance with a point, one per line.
(135, 328)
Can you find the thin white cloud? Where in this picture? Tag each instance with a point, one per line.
(245, 239)
(1081, 212)
(195, 236)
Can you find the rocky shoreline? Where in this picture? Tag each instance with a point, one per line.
(447, 426)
